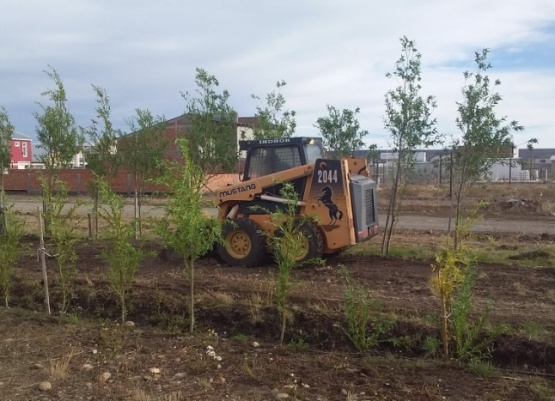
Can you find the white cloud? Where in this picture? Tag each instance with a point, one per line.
(329, 52)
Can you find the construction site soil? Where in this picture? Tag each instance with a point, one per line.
(235, 352)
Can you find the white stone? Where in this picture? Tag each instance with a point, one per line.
(282, 396)
(105, 376)
(45, 386)
(87, 367)
(255, 344)
(129, 323)
(154, 371)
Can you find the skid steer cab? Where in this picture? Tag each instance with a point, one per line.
(336, 195)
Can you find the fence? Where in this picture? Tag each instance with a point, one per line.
(78, 180)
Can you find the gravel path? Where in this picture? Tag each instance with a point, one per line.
(534, 225)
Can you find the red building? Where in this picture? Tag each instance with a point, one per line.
(22, 151)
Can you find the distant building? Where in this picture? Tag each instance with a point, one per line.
(21, 149)
(432, 165)
(177, 128)
(539, 162)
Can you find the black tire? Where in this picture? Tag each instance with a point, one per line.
(314, 242)
(243, 243)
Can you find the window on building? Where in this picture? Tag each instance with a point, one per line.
(16, 144)
(24, 149)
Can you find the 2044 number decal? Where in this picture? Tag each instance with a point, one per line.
(327, 176)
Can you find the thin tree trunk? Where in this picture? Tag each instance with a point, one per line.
(283, 324)
(385, 246)
(192, 290)
(459, 199)
(123, 309)
(136, 209)
(457, 239)
(445, 325)
(4, 222)
(140, 204)
(451, 177)
(42, 252)
(386, 227)
(510, 167)
(392, 215)
(94, 227)
(450, 220)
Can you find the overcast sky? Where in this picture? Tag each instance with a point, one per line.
(144, 53)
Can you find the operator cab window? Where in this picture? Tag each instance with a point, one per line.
(272, 160)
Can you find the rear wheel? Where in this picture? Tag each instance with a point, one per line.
(311, 240)
(243, 243)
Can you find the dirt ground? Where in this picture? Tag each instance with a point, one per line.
(88, 355)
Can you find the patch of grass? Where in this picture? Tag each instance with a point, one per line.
(363, 314)
(254, 303)
(205, 384)
(252, 368)
(198, 365)
(322, 308)
(142, 395)
(71, 318)
(59, 367)
(534, 330)
(220, 298)
(351, 396)
(489, 256)
(537, 256)
(411, 252)
(171, 322)
(298, 345)
(520, 288)
(432, 346)
(113, 338)
(484, 252)
(542, 389)
(240, 337)
(482, 367)
(395, 251)
(547, 207)
(427, 319)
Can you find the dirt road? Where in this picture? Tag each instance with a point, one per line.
(532, 225)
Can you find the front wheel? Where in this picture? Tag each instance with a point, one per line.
(243, 243)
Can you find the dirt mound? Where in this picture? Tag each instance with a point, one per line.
(520, 206)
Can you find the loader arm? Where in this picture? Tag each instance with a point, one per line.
(257, 188)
